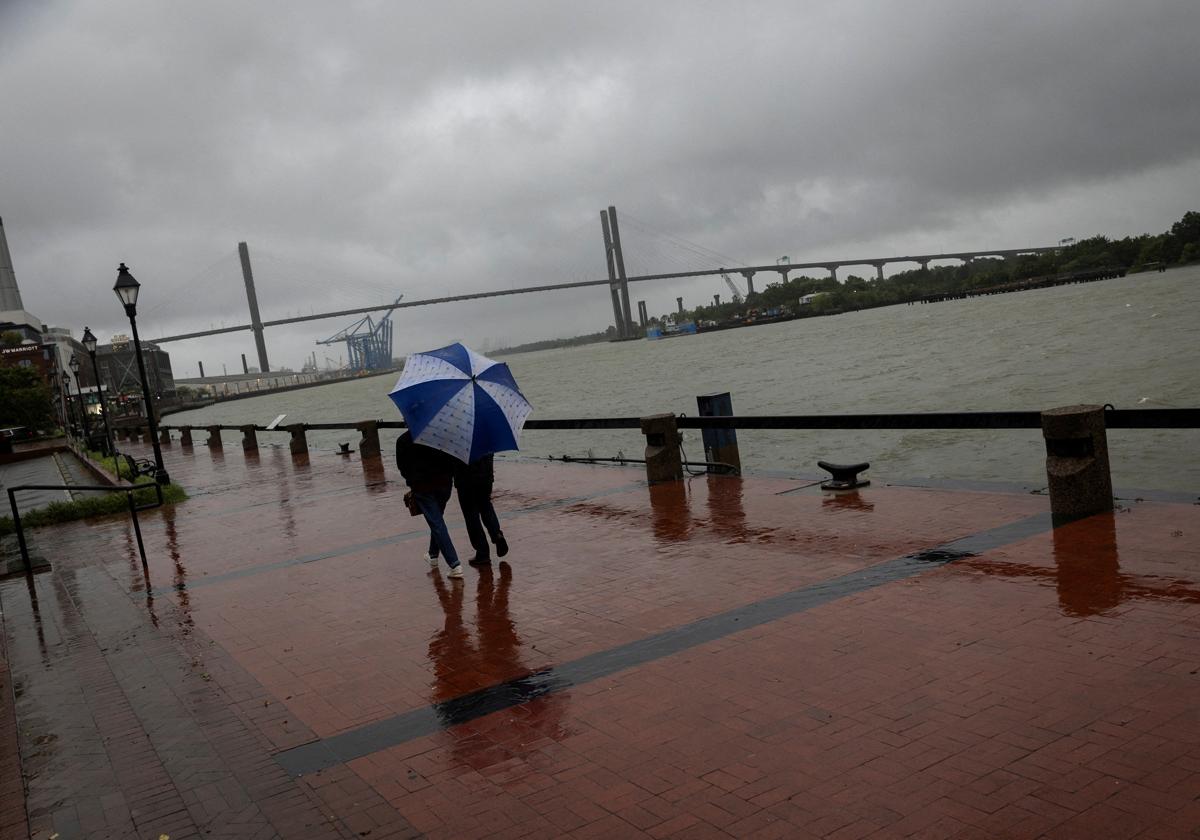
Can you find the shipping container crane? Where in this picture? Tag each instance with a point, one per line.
(737, 295)
(368, 344)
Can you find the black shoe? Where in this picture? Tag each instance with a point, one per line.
(480, 560)
(501, 545)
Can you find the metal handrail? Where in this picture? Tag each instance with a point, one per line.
(128, 491)
(1137, 418)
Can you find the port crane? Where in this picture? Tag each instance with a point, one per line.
(738, 297)
(368, 344)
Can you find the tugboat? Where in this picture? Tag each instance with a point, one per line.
(670, 329)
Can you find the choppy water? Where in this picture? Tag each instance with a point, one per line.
(1133, 341)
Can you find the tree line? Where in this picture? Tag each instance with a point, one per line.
(1178, 246)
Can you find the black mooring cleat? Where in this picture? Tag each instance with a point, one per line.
(845, 476)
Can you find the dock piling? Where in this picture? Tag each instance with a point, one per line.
(1077, 468)
(185, 437)
(368, 447)
(249, 439)
(720, 445)
(214, 438)
(663, 462)
(299, 443)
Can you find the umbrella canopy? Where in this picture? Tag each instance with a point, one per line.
(460, 402)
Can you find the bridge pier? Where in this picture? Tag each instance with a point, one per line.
(749, 275)
(832, 272)
(613, 286)
(679, 305)
(879, 271)
(642, 315)
(924, 264)
(716, 300)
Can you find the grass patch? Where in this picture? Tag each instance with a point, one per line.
(85, 508)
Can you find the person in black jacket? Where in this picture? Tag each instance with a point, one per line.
(430, 473)
(474, 484)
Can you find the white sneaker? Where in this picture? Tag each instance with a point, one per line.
(433, 561)
(456, 572)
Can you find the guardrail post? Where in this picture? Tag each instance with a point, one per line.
(249, 439)
(299, 442)
(720, 445)
(214, 438)
(164, 436)
(185, 437)
(1077, 470)
(663, 462)
(368, 447)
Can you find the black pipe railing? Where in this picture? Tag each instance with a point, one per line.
(1137, 418)
(134, 507)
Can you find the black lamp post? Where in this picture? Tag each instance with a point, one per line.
(89, 344)
(87, 433)
(127, 290)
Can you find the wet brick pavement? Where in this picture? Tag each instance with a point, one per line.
(714, 658)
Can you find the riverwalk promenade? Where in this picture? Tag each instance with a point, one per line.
(715, 657)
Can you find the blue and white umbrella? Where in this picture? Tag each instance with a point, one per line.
(460, 402)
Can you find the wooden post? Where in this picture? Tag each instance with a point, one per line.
(368, 447)
(249, 439)
(214, 438)
(299, 442)
(185, 437)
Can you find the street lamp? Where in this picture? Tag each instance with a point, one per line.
(89, 344)
(127, 288)
(87, 433)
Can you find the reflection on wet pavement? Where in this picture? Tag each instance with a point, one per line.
(719, 656)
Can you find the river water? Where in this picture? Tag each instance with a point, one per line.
(1132, 341)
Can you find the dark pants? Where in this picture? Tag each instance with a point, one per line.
(433, 505)
(477, 510)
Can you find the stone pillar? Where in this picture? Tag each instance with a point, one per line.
(299, 442)
(185, 437)
(720, 445)
(214, 438)
(368, 447)
(249, 438)
(1077, 468)
(164, 436)
(663, 462)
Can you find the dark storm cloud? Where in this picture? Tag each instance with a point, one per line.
(370, 149)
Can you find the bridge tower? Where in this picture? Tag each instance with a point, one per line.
(255, 319)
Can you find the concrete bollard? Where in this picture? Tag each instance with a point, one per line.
(299, 442)
(368, 447)
(164, 436)
(249, 439)
(662, 448)
(185, 436)
(214, 438)
(720, 445)
(1077, 468)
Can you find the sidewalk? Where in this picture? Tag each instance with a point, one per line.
(714, 658)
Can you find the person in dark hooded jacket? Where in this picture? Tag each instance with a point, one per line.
(429, 474)
(474, 484)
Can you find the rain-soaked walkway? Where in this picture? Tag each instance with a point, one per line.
(719, 657)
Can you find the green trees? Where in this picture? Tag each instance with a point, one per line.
(25, 400)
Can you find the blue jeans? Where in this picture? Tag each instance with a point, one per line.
(433, 505)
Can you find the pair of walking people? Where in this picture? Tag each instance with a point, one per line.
(430, 475)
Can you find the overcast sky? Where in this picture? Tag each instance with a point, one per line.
(368, 150)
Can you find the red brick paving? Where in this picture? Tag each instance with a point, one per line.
(1044, 688)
